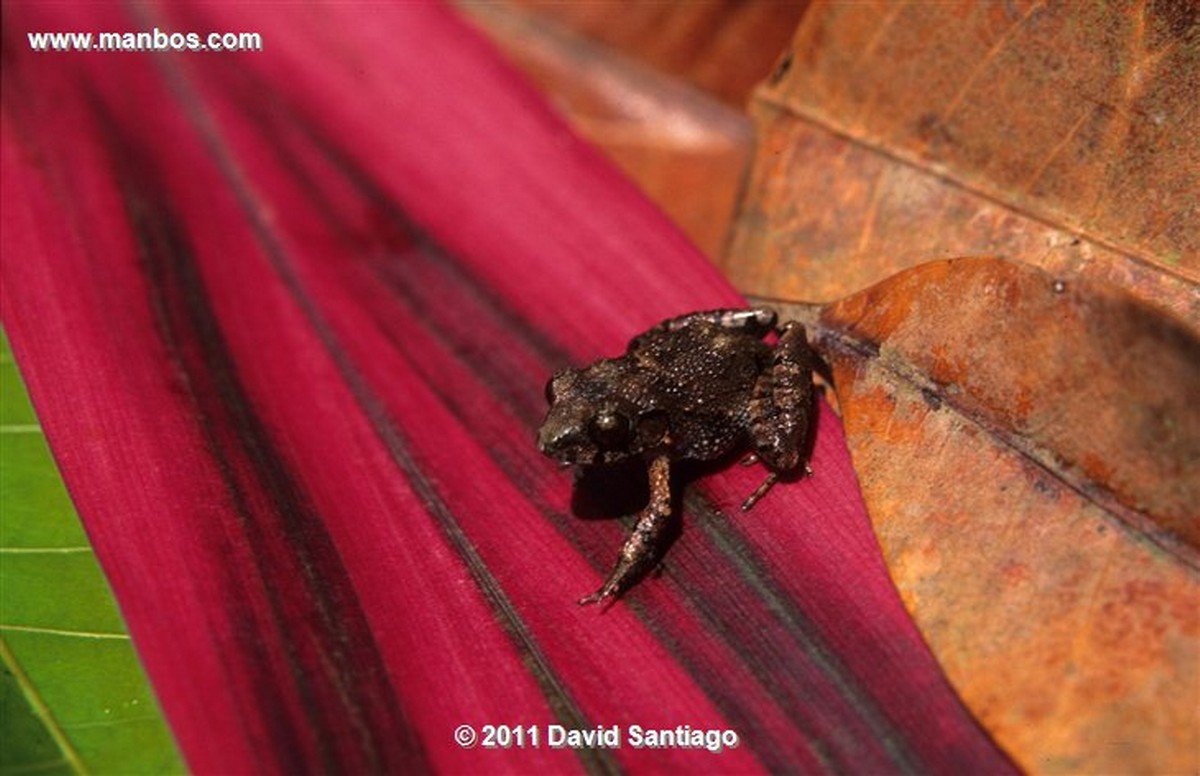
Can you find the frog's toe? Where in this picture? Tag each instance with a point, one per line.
(759, 492)
(604, 598)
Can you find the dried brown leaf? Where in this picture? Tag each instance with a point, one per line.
(1028, 447)
(686, 150)
(1065, 135)
(721, 47)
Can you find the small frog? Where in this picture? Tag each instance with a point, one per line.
(693, 387)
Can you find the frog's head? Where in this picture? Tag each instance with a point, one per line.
(593, 419)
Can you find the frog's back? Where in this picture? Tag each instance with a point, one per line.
(705, 375)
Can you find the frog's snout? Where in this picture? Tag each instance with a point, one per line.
(562, 443)
(545, 440)
(554, 441)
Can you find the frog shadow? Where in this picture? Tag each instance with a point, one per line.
(611, 490)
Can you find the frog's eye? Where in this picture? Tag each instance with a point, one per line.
(609, 430)
(549, 390)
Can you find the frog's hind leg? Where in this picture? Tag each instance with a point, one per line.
(644, 546)
(780, 407)
(756, 321)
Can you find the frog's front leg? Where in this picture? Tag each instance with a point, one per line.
(781, 407)
(643, 547)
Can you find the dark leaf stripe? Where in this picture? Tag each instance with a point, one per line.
(397, 447)
(335, 668)
(565, 708)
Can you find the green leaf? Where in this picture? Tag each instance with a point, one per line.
(74, 699)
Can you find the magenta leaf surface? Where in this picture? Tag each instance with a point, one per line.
(286, 317)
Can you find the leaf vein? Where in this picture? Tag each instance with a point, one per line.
(38, 704)
(64, 632)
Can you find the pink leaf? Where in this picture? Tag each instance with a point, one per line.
(286, 317)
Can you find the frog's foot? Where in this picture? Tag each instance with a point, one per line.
(639, 558)
(636, 559)
(759, 492)
(605, 597)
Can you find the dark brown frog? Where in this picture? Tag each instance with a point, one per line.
(694, 387)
